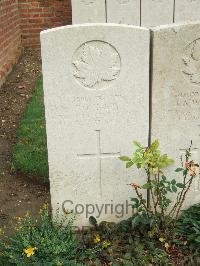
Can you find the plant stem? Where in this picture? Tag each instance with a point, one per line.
(183, 197)
(148, 190)
(141, 198)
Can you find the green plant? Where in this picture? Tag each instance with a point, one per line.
(158, 211)
(127, 245)
(188, 227)
(30, 151)
(40, 242)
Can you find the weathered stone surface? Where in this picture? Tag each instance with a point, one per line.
(156, 12)
(187, 10)
(88, 11)
(123, 12)
(96, 99)
(176, 94)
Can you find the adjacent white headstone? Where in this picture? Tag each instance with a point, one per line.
(176, 94)
(156, 12)
(123, 12)
(187, 10)
(88, 11)
(97, 102)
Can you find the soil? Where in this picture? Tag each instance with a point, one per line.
(18, 193)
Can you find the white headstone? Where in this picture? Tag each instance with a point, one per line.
(176, 94)
(156, 12)
(123, 12)
(88, 11)
(96, 100)
(187, 10)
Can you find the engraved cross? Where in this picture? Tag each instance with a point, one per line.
(99, 155)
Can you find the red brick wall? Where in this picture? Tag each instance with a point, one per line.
(20, 24)
(37, 15)
(10, 36)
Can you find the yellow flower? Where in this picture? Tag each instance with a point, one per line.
(161, 239)
(167, 246)
(106, 244)
(59, 263)
(45, 206)
(27, 214)
(1, 232)
(18, 218)
(110, 251)
(97, 239)
(30, 251)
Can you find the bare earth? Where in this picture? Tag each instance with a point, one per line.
(18, 193)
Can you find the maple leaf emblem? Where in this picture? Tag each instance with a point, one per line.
(96, 65)
(192, 62)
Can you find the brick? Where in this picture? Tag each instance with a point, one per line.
(21, 22)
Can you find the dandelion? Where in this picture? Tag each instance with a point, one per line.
(97, 239)
(106, 244)
(30, 251)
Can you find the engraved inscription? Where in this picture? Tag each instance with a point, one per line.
(157, 1)
(99, 155)
(187, 105)
(123, 1)
(88, 2)
(191, 61)
(96, 64)
(85, 110)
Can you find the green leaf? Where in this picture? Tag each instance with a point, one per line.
(135, 200)
(179, 170)
(129, 164)
(174, 189)
(185, 172)
(168, 189)
(155, 145)
(136, 221)
(146, 186)
(124, 158)
(137, 143)
(173, 182)
(92, 221)
(180, 185)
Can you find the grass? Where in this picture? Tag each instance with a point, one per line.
(30, 151)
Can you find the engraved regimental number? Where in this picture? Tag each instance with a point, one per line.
(96, 64)
(191, 62)
(99, 155)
